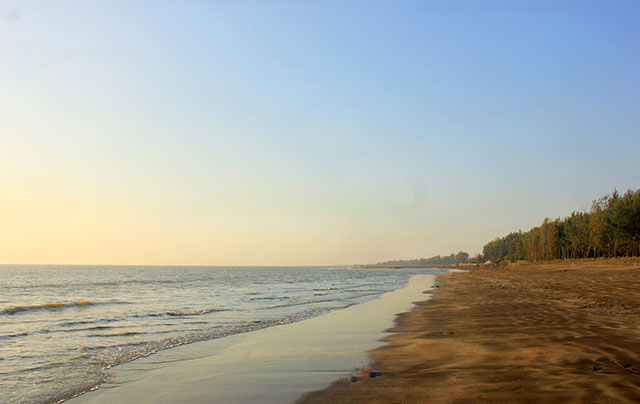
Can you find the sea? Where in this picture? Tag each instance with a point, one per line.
(63, 327)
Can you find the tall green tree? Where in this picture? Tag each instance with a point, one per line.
(610, 229)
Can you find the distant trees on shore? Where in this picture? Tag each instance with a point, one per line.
(453, 259)
(610, 229)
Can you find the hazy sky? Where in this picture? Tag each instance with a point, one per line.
(280, 133)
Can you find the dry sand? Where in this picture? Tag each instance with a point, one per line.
(565, 332)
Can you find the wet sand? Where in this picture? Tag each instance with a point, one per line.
(566, 332)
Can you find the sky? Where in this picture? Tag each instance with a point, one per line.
(306, 133)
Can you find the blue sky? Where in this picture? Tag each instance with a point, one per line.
(306, 132)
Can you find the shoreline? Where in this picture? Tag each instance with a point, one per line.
(511, 264)
(563, 331)
(273, 365)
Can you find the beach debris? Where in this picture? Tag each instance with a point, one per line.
(627, 367)
(357, 373)
(595, 368)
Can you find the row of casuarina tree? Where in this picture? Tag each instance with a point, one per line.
(610, 229)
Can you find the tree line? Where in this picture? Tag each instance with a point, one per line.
(453, 259)
(610, 229)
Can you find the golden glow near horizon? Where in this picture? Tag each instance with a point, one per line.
(106, 205)
(73, 193)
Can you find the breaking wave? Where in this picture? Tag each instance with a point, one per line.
(192, 313)
(48, 306)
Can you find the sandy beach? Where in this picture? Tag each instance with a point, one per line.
(566, 332)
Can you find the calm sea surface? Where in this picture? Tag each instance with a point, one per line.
(63, 327)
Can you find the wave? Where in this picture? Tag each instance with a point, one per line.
(20, 334)
(270, 298)
(48, 306)
(117, 334)
(95, 321)
(191, 313)
(97, 327)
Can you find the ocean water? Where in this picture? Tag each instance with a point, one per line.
(63, 327)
